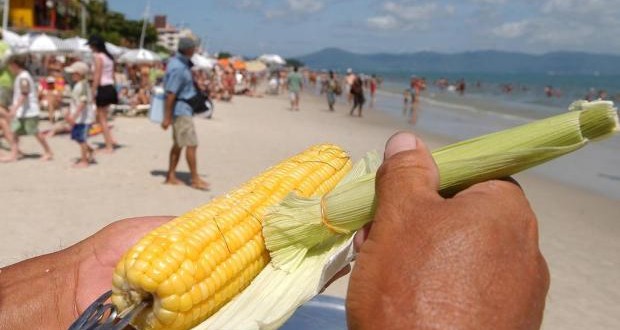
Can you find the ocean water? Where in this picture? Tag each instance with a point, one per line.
(595, 168)
(527, 89)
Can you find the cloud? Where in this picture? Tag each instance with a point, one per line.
(293, 8)
(512, 29)
(305, 6)
(588, 25)
(385, 22)
(246, 4)
(490, 2)
(404, 15)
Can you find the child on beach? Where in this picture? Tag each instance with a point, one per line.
(25, 108)
(81, 111)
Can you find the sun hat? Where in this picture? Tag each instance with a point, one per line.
(78, 67)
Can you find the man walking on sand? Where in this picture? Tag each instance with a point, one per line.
(294, 83)
(179, 86)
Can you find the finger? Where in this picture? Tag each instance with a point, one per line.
(361, 236)
(408, 169)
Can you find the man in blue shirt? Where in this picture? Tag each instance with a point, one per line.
(179, 86)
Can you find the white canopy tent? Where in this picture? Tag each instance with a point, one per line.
(78, 44)
(203, 62)
(272, 59)
(139, 56)
(49, 44)
(114, 49)
(14, 40)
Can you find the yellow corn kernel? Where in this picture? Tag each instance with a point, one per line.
(193, 265)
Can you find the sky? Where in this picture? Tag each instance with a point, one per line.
(298, 27)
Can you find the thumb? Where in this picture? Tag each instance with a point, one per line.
(408, 175)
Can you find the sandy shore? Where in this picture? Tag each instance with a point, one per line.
(47, 206)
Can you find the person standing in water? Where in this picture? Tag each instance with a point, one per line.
(357, 90)
(331, 90)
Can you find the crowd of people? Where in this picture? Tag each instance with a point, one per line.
(80, 94)
(87, 101)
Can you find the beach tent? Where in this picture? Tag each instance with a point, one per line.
(139, 56)
(49, 44)
(78, 44)
(14, 40)
(255, 66)
(272, 59)
(203, 62)
(114, 49)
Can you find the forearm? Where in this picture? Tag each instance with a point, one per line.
(169, 106)
(20, 102)
(38, 293)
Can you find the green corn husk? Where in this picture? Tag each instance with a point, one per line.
(295, 226)
(304, 252)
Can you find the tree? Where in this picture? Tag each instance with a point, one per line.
(116, 28)
(223, 55)
(294, 62)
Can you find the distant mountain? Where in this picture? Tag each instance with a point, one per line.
(487, 61)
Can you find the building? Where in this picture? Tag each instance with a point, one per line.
(42, 15)
(168, 35)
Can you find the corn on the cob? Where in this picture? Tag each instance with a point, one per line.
(193, 265)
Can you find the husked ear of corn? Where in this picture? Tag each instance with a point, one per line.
(192, 266)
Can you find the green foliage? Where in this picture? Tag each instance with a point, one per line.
(223, 55)
(294, 62)
(116, 28)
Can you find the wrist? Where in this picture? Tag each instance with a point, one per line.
(41, 292)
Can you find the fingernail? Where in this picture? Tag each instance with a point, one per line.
(399, 142)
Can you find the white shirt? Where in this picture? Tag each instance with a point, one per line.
(24, 84)
(79, 94)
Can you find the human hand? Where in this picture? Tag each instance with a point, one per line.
(51, 291)
(468, 262)
(166, 123)
(101, 252)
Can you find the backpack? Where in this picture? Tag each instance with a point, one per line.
(337, 88)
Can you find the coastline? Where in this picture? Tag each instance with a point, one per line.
(47, 206)
(458, 118)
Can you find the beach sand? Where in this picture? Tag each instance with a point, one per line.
(48, 206)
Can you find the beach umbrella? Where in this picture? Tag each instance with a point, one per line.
(239, 65)
(48, 44)
(272, 59)
(203, 62)
(255, 66)
(114, 49)
(78, 44)
(223, 62)
(14, 40)
(139, 56)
